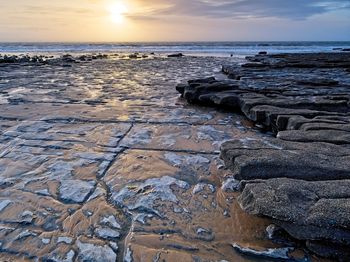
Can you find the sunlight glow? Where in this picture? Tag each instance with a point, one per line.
(117, 12)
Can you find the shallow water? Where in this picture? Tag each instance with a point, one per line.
(217, 49)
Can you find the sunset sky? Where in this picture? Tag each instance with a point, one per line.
(173, 20)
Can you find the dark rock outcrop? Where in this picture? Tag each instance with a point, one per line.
(275, 158)
(305, 209)
(46, 59)
(301, 177)
(176, 55)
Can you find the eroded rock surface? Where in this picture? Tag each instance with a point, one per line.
(320, 204)
(100, 161)
(300, 178)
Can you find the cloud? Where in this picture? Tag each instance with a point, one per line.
(291, 9)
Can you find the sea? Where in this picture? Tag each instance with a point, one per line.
(221, 49)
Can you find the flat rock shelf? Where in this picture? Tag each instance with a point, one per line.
(100, 160)
(300, 176)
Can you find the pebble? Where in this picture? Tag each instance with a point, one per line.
(230, 185)
(46, 241)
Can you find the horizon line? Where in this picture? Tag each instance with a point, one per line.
(196, 41)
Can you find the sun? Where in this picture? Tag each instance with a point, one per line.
(117, 12)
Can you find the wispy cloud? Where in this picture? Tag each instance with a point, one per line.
(291, 9)
(174, 20)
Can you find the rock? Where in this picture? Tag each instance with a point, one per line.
(183, 247)
(141, 136)
(329, 250)
(304, 60)
(318, 82)
(110, 221)
(69, 121)
(46, 241)
(328, 136)
(263, 104)
(272, 253)
(99, 191)
(201, 187)
(230, 185)
(4, 204)
(254, 65)
(68, 257)
(91, 252)
(67, 240)
(44, 192)
(196, 89)
(114, 246)
(301, 175)
(68, 58)
(26, 217)
(208, 80)
(262, 53)
(178, 160)
(305, 209)
(181, 88)
(178, 210)
(198, 188)
(141, 196)
(24, 234)
(205, 234)
(107, 233)
(142, 218)
(176, 55)
(133, 56)
(273, 158)
(64, 60)
(273, 231)
(75, 191)
(196, 160)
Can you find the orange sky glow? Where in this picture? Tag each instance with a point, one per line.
(178, 20)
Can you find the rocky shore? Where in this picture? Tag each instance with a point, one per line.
(300, 177)
(48, 59)
(101, 161)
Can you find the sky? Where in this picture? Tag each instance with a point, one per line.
(173, 20)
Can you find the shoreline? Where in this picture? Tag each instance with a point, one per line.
(222, 49)
(100, 159)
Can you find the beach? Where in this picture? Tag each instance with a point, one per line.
(102, 159)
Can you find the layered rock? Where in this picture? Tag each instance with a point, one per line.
(300, 177)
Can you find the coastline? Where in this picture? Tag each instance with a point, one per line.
(222, 49)
(122, 168)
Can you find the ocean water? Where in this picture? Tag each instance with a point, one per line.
(189, 48)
